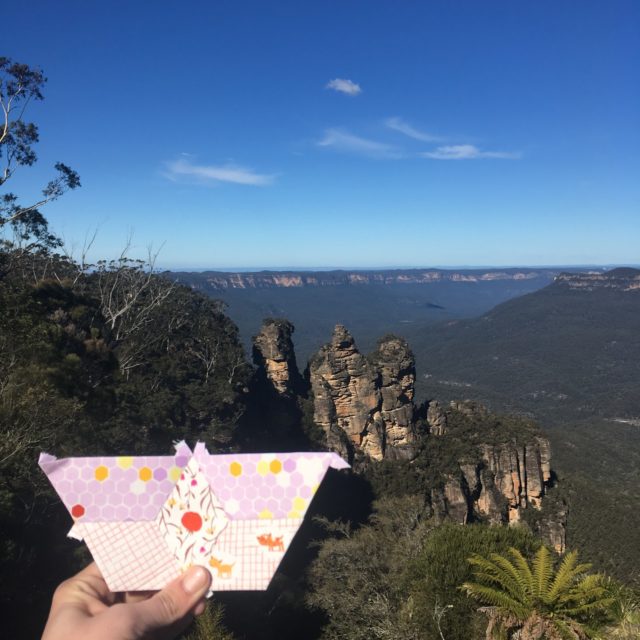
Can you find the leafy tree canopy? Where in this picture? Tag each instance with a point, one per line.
(20, 85)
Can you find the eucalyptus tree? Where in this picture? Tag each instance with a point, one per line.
(21, 85)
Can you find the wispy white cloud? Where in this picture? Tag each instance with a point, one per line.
(349, 143)
(467, 152)
(344, 86)
(399, 125)
(214, 174)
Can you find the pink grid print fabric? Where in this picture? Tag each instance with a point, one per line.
(133, 556)
(248, 553)
(147, 519)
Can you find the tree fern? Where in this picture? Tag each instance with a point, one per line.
(535, 601)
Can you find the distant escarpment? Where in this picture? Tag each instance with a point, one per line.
(471, 465)
(621, 279)
(221, 280)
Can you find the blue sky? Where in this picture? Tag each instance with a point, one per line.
(340, 133)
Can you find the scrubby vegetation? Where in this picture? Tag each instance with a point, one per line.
(73, 383)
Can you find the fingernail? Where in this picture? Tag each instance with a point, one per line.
(196, 579)
(200, 607)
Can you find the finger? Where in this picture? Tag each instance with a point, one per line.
(90, 570)
(200, 607)
(86, 590)
(137, 596)
(173, 605)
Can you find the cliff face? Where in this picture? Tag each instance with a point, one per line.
(220, 281)
(623, 279)
(365, 404)
(505, 477)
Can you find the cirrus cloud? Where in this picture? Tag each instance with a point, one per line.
(214, 174)
(345, 86)
(467, 152)
(399, 125)
(346, 142)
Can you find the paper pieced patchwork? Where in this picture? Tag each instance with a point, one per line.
(147, 519)
(191, 519)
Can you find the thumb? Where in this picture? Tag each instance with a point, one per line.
(172, 607)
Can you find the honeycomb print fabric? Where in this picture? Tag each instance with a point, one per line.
(146, 519)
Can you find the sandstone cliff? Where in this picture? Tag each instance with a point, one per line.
(221, 281)
(474, 465)
(273, 354)
(500, 478)
(365, 404)
(621, 279)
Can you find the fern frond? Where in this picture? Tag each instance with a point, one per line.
(523, 566)
(498, 571)
(565, 576)
(511, 578)
(496, 598)
(542, 572)
(604, 604)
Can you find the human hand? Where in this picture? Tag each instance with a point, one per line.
(83, 608)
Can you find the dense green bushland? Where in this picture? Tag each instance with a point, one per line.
(399, 577)
(568, 358)
(73, 381)
(78, 377)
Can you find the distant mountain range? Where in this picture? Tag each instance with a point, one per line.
(221, 281)
(370, 303)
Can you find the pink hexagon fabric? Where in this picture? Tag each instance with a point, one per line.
(147, 519)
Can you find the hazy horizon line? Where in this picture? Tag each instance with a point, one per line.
(276, 269)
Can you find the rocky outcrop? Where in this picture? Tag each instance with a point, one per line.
(520, 473)
(346, 396)
(553, 529)
(396, 366)
(508, 479)
(365, 404)
(436, 419)
(274, 355)
(482, 467)
(469, 408)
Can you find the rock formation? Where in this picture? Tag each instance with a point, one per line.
(505, 480)
(273, 354)
(365, 404)
(397, 377)
(436, 419)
